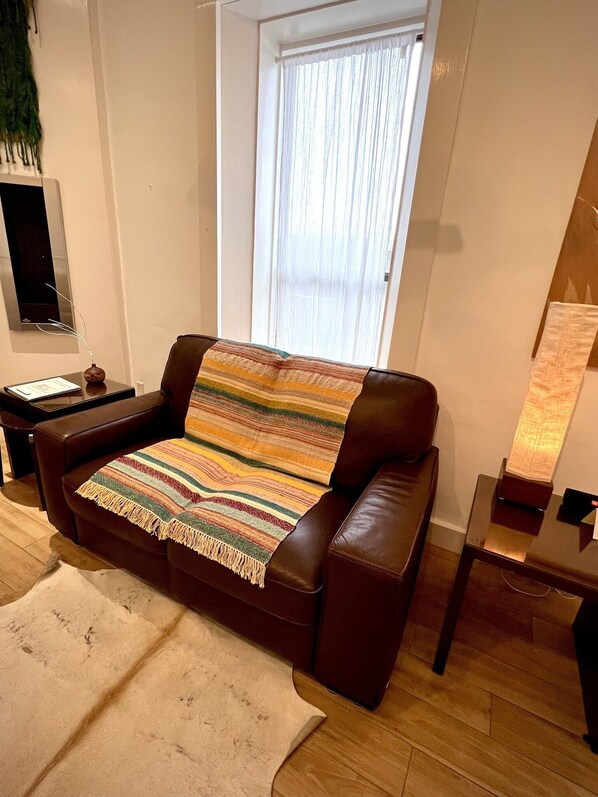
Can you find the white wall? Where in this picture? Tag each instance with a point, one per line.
(238, 110)
(207, 33)
(417, 235)
(527, 111)
(527, 114)
(63, 66)
(149, 68)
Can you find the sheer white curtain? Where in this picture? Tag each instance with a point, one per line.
(342, 113)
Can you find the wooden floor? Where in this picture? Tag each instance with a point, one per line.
(505, 719)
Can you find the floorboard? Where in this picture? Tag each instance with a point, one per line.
(429, 777)
(459, 698)
(494, 766)
(562, 751)
(540, 695)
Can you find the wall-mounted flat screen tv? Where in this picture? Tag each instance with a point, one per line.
(33, 253)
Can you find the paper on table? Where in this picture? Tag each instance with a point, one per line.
(43, 388)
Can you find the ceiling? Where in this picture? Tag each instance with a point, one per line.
(352, 10)
(265, 9)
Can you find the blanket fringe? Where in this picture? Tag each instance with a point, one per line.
(240, 563)
(124, 507)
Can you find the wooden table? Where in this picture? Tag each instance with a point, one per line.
(549, 547)
(18, 418)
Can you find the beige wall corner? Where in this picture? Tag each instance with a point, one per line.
(239, 49)
(446, 84)
(206, 25)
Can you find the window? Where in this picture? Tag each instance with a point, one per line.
(345, 115)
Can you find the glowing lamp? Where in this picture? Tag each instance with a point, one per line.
(555, 382)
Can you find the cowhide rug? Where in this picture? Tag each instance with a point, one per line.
(109, 688)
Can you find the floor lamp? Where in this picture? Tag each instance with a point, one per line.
(555, 382)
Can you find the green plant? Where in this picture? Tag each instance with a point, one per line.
(20, 128)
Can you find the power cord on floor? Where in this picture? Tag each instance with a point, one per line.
(529, 582)
(567, 595)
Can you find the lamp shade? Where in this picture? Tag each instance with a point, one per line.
(556, 378)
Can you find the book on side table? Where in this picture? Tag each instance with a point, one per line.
(43, 388)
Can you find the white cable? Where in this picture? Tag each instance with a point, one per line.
(522, 591)
(567, 595)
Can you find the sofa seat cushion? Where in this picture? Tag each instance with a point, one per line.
(95, 514)
(294, 575)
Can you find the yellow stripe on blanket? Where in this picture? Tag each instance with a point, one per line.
(252, 420)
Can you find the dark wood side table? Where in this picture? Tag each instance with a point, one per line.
(18, 418)
(548, 547)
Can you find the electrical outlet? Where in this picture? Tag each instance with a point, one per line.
(139, 388)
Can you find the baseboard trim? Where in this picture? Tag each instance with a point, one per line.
(448, 537)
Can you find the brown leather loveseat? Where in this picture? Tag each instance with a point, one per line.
(338, 587)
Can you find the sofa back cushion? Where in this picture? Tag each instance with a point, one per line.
(180, 373)
(393, 417)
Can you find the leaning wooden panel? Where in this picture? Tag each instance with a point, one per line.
(576, 274)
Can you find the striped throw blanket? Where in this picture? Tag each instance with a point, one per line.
(262, 435)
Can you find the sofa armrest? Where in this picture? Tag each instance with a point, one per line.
(369, 576)
(63, 443)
